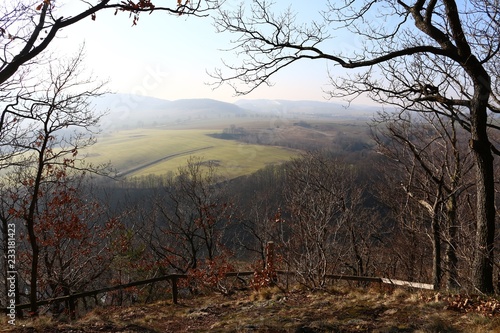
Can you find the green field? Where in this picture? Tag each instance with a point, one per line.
(141, 152)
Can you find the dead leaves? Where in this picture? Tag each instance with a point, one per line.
(39, 7)
(487, 306)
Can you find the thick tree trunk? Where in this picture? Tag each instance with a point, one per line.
(485, 210)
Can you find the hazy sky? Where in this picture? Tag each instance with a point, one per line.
(167, 57)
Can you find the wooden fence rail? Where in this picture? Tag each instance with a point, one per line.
(172, 277)
(175, 277)
(72, 297)
(393, 282)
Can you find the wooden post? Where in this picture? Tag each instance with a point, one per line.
(270, 264)
(72, 307)
(174, 289)
(270, 256)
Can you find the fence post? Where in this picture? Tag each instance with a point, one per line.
(270, 255)
(270, 264)
(174, 289)
(72, 307)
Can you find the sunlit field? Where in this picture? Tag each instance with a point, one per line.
(141, 152)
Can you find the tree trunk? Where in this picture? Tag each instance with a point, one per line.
(485, 218)
(5, 234)
(451, 245)
(34, 272)
(436, 252)
(70, 304)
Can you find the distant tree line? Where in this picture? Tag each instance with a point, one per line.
(312, 138)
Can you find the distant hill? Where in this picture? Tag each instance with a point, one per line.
(126, 111)
(317, 108)
(196, 106)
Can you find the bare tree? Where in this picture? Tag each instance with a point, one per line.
(416, 55)
(325, 205)
(260, 200)
(434, 162)
(60, 122)
(190, 214)
(75, 238)
(28, 27)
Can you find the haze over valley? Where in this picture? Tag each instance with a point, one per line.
(144, 135)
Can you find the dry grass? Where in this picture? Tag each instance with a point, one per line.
(272, 310)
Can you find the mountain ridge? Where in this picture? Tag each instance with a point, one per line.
(128, 110)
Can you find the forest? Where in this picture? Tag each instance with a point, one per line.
(409, 193)
(384, 198)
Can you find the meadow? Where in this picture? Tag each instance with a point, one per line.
(157, 151)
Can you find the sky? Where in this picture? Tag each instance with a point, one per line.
(168, 57)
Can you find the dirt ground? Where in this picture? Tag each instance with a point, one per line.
(272, 311)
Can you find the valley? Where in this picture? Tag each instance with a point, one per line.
(160, 136)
